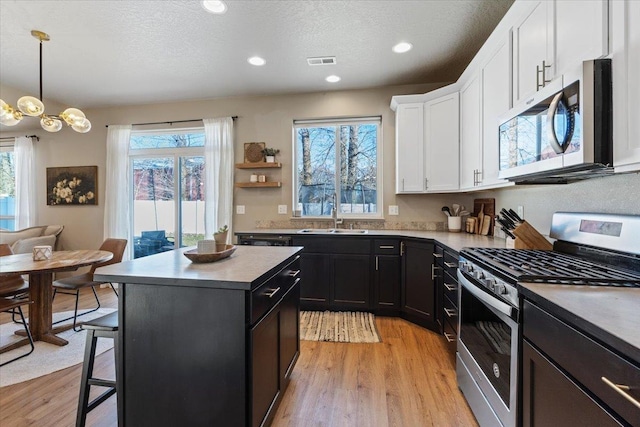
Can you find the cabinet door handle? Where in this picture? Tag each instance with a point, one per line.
(544, 73)
(401, 248)
(538, 72)
(386, 246)
(273, 292)
(294, 273)
(433, 271)
(402, 184)
(426, 183)
(376, 262)
(449, 337)
(450, 287)
(451, 264)
(437, 255)
(622, 390)
(451, 312)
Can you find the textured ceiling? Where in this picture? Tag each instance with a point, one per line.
(105, 53)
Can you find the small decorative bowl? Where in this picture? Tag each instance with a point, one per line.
(222, 251)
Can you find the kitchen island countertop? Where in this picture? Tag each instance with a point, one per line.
(455, 241)
(245, 269)
(608, 314)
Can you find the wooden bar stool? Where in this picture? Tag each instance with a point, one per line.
(102, 327)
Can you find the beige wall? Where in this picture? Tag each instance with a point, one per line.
(269, 119)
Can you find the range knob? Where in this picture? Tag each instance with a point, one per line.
(466, 267)
(490, 283)
(499, 288)
(479, 275)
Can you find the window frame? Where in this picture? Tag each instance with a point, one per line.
(10, 147)
(165, 152)
(336, 122)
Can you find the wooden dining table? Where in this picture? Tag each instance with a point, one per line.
(40, 287)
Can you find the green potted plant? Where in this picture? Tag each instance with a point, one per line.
(220, 236)
(270, 154)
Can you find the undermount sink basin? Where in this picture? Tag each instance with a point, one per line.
(331, 231)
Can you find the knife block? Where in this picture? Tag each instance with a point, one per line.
(527, 237)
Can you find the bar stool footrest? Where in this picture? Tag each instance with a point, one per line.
(102, 383)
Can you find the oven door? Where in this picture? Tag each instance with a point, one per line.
(488, 353)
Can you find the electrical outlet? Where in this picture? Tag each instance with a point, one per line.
(393, 209)
(282, 209)
(240, 209)
(521, 211)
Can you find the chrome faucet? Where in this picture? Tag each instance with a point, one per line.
(334, 212)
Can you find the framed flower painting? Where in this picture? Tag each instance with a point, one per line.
(75, 185)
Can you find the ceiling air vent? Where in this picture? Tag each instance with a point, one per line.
(322, 60)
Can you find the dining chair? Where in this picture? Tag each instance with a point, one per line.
(72, 285)
(12, 305)
(14, 285)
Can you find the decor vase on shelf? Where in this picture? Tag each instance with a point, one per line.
(270, 154)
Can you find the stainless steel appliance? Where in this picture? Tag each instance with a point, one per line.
(562, 133)
(591, 249)
(263, 240)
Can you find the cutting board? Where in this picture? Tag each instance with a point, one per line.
(489, 211)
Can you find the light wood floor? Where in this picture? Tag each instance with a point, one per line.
(408, 380)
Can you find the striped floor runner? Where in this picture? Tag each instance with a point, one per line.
(338, 326)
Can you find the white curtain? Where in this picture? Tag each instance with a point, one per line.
(116, 202)
(25, 183)
(218, 182)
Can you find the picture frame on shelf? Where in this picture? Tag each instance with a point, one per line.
(253, 152)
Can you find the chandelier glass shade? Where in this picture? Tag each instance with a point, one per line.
(33, 107)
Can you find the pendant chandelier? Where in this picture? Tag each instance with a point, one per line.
(32, 106)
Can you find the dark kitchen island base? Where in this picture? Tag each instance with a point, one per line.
(203, 353)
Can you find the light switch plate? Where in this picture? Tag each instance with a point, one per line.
(240, 209)
(282, 209)
(393, 209)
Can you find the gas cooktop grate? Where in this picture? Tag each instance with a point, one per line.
(538, 266)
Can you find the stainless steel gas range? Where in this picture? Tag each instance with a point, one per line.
(591, 249)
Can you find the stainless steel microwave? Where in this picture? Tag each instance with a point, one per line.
(562, 133)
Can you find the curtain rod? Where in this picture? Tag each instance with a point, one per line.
(11, 138)
(171, 122)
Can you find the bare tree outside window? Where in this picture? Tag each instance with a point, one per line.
(341, 159)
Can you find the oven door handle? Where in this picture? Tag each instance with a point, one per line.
(489, 300)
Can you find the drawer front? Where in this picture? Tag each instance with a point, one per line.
(268, 294)
(451, 262)
(450, 289)
(386, 247)
(334, 244)
(450, 311)
(590, 363)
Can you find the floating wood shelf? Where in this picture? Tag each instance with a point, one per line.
(258, 165)
(269, 184)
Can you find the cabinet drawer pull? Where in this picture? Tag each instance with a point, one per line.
(451, 264)
(273, 292)
(451, 312)
(622, 390)
(449, 337)
(294, 273)
(450, 287)
(433, 271)
(437, 255)
(386, 247)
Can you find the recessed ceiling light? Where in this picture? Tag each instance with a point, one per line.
(214, 6)
(333, 79)
(257, 61)
(402, 47)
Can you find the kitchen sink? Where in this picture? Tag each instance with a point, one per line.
(331, 231)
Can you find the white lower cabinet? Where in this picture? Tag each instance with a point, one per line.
(625, 37)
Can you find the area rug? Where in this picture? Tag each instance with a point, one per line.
(47, 358)
(338, 326)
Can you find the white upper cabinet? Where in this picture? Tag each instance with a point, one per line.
(496, 100)
(470, 139)
(410, 148)
(533, 50)
(441, 126)
(580, 32)
(553, 37)
(625, 65)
